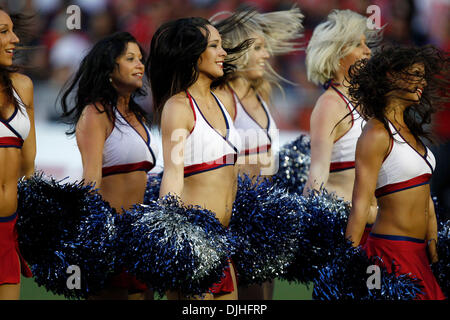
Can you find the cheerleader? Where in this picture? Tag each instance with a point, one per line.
(17, 154)
(116, 147)
(335, 123)
(396, 90)
(200, 143)
(250, 89)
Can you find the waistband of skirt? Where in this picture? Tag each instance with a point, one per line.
(396, 238)
(8, 218)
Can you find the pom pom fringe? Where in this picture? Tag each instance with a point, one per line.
(294, 163)
(266, 225)
(170, 246)
(66, 224)
(347, 277)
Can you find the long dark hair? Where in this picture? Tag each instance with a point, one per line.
(174, 53)
(370, 81)
(91, 83)
(22, 24)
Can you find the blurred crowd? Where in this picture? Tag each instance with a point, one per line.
(56, 51)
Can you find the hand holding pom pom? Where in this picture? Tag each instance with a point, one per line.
(170, 246)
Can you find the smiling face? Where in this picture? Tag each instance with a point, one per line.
(129, 70)
(409, 83)
(258, 56)
(8, 39)
(211, 60)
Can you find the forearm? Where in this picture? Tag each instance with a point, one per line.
(317, 178)
(27, 170)
(93, 177)
(171, 184)
(355, 227)
(358, 217)
(432, 223)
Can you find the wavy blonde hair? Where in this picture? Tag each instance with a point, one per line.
(280, 30)
(334, 39)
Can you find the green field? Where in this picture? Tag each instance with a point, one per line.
(283, 291)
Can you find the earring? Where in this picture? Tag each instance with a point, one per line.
(110, 80)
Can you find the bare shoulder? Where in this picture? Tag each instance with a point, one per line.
(94, 116)
(330, 102)
(375, 129)
(23, 86)
(178, 103)
(329, 109)
(177, 112)
(96, 110)
(375, 135)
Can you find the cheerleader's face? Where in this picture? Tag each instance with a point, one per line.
(258, 56)
(8, 39)
(127, 76)
(359, 52)
(211, 60)
(409, 84)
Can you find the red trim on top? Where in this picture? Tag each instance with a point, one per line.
(351, 113)
(256, 150)
(338, 166)
(193, 110)
(205, 166)
(347, 103)
(390, 149)
(126, 168)
(411, 183)
(11, 142)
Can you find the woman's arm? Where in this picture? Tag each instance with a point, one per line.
(432, 234)
(326, 114)
(371, 149)
(177, 120)
(92, 130)
(24, 88)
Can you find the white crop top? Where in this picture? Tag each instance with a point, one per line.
(125, 150)
(205, 148)
(404, 167)
(254, 138)
(15, 130)
(343, 152)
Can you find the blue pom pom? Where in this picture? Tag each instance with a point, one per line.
(294, 163)
(170, 246)
(64, 224)
(153, 185)
(323, 220)
(346, 277)
(441, 269)
(266, 225)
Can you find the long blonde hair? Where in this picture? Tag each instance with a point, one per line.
(280, 30)
(334, 39)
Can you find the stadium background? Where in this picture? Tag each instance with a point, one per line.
(55, 52)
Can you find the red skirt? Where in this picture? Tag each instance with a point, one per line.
(410, 256)
(226, 283)
(11, 261)
(124, 280)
